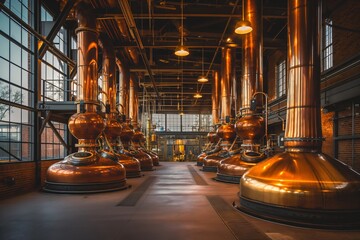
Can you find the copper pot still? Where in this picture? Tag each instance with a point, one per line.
(303, 186)
(226, 132)
(86, 170)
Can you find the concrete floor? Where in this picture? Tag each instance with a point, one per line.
(177, 201)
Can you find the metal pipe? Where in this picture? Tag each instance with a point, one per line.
(215, 98)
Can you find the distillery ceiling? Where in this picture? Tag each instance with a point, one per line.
(146, 33)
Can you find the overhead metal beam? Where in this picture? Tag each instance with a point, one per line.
(130, 22)
(177, 16)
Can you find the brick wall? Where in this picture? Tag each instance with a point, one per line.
(327, 123)
(24, 175)
(272, 61)
(344, 45)
(348, 127)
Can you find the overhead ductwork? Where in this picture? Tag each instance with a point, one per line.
(250, 127)
(303, 186)
(226, 131)
(86, 170)
(113, 126)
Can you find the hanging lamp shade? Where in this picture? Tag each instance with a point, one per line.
(203, 79)
(181, 51)
(243, 27)
(197, 95)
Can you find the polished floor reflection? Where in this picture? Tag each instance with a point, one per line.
(176, 201)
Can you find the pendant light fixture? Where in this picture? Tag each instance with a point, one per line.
(197, 95)
(202, 78)
(181, 50)
(243, 26)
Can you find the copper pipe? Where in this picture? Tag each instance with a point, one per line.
(252, 71)
(226, 74)
(124, 80)
(215, 98)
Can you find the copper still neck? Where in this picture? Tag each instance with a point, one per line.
(252, 78)
(215, 98)
(108, 73)
(251, 127)
(133, 101)
(228, 55)
(124, 80)
(86, 125)
(303, 126)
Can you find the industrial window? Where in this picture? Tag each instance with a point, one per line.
(173, 122)
(281, 78)
(54, 85)
(16, 84)
(205, 122)
(159, 121)
(328, 45)
(190, 123)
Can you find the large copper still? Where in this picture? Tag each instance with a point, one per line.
(250, 127)
(86, 170)
(127, 132)
(138, 136)
(213, 144)
(303, 186)
(226, 131)
(113, 126)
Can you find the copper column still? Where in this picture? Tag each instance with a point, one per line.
(128, 133)
(226, 131)
(86, 170)
(303, 186)
(213, 144)
(250, 127)
(113, 126)
(138, 136)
